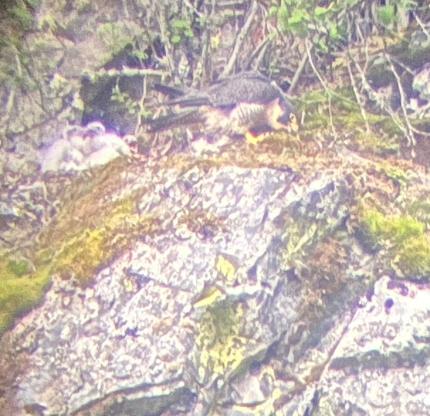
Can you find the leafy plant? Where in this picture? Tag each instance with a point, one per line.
(322, 25)
(180, 30)
(124, 100)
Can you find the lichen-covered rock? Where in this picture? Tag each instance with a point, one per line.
(380, 366)
(223, 287)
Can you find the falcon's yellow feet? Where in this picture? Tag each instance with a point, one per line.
(255, 139)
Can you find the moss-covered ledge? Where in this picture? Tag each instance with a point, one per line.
(403, 238)
(88, 232)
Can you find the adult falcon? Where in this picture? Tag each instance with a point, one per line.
(246, 104)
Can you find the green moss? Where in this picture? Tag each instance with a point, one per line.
(18, 295)
(373, 142)
(86, 236)
(18, 267)
(96, 243)
(414, 257)
(396, 229)
(348, 121)
(404, 239)
(396, 173)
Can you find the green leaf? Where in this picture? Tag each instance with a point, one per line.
(176, 39)
(180, 24)
(386, 14)
(333, 31)
(321, 11)
(140, 54)
(188, 33)
(322, 46)
(273, 11)
(298, 16)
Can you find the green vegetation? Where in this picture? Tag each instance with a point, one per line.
(19, 290)
(18, 267)
(382, 137)
(86, 236)
(403, 237)
(180, 30)
(328, 24)
(93, 247)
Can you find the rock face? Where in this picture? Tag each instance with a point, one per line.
(253, 298)
(236, 284)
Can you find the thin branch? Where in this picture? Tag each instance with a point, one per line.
(358, 96)
(323, 83)
(298, 73)
(374, 96)
(192, 7)
(258, 54)
(141, 105)
(423, 28)
(410, 135)
(228, 69)
(124, 72)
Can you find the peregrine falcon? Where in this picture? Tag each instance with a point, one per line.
(245, 104)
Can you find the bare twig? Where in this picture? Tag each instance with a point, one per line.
(329, 93)
(258, 54)
(141, 106)
(410, 134)
(231, 64)
(262, 49)
(358, 97)
(374, 96)
(298, 72)
(423, 28)
(204, 61)
(192, 7)
(125, 72)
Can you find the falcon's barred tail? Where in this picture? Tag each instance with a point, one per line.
(175, 120)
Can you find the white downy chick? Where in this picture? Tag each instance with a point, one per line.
(52, 156)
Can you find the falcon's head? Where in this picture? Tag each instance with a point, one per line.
(280, 115)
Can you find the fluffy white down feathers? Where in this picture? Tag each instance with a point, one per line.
(83, 148)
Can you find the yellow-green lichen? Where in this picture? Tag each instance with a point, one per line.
(403, 237)
(220, 345)
(226, 267)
